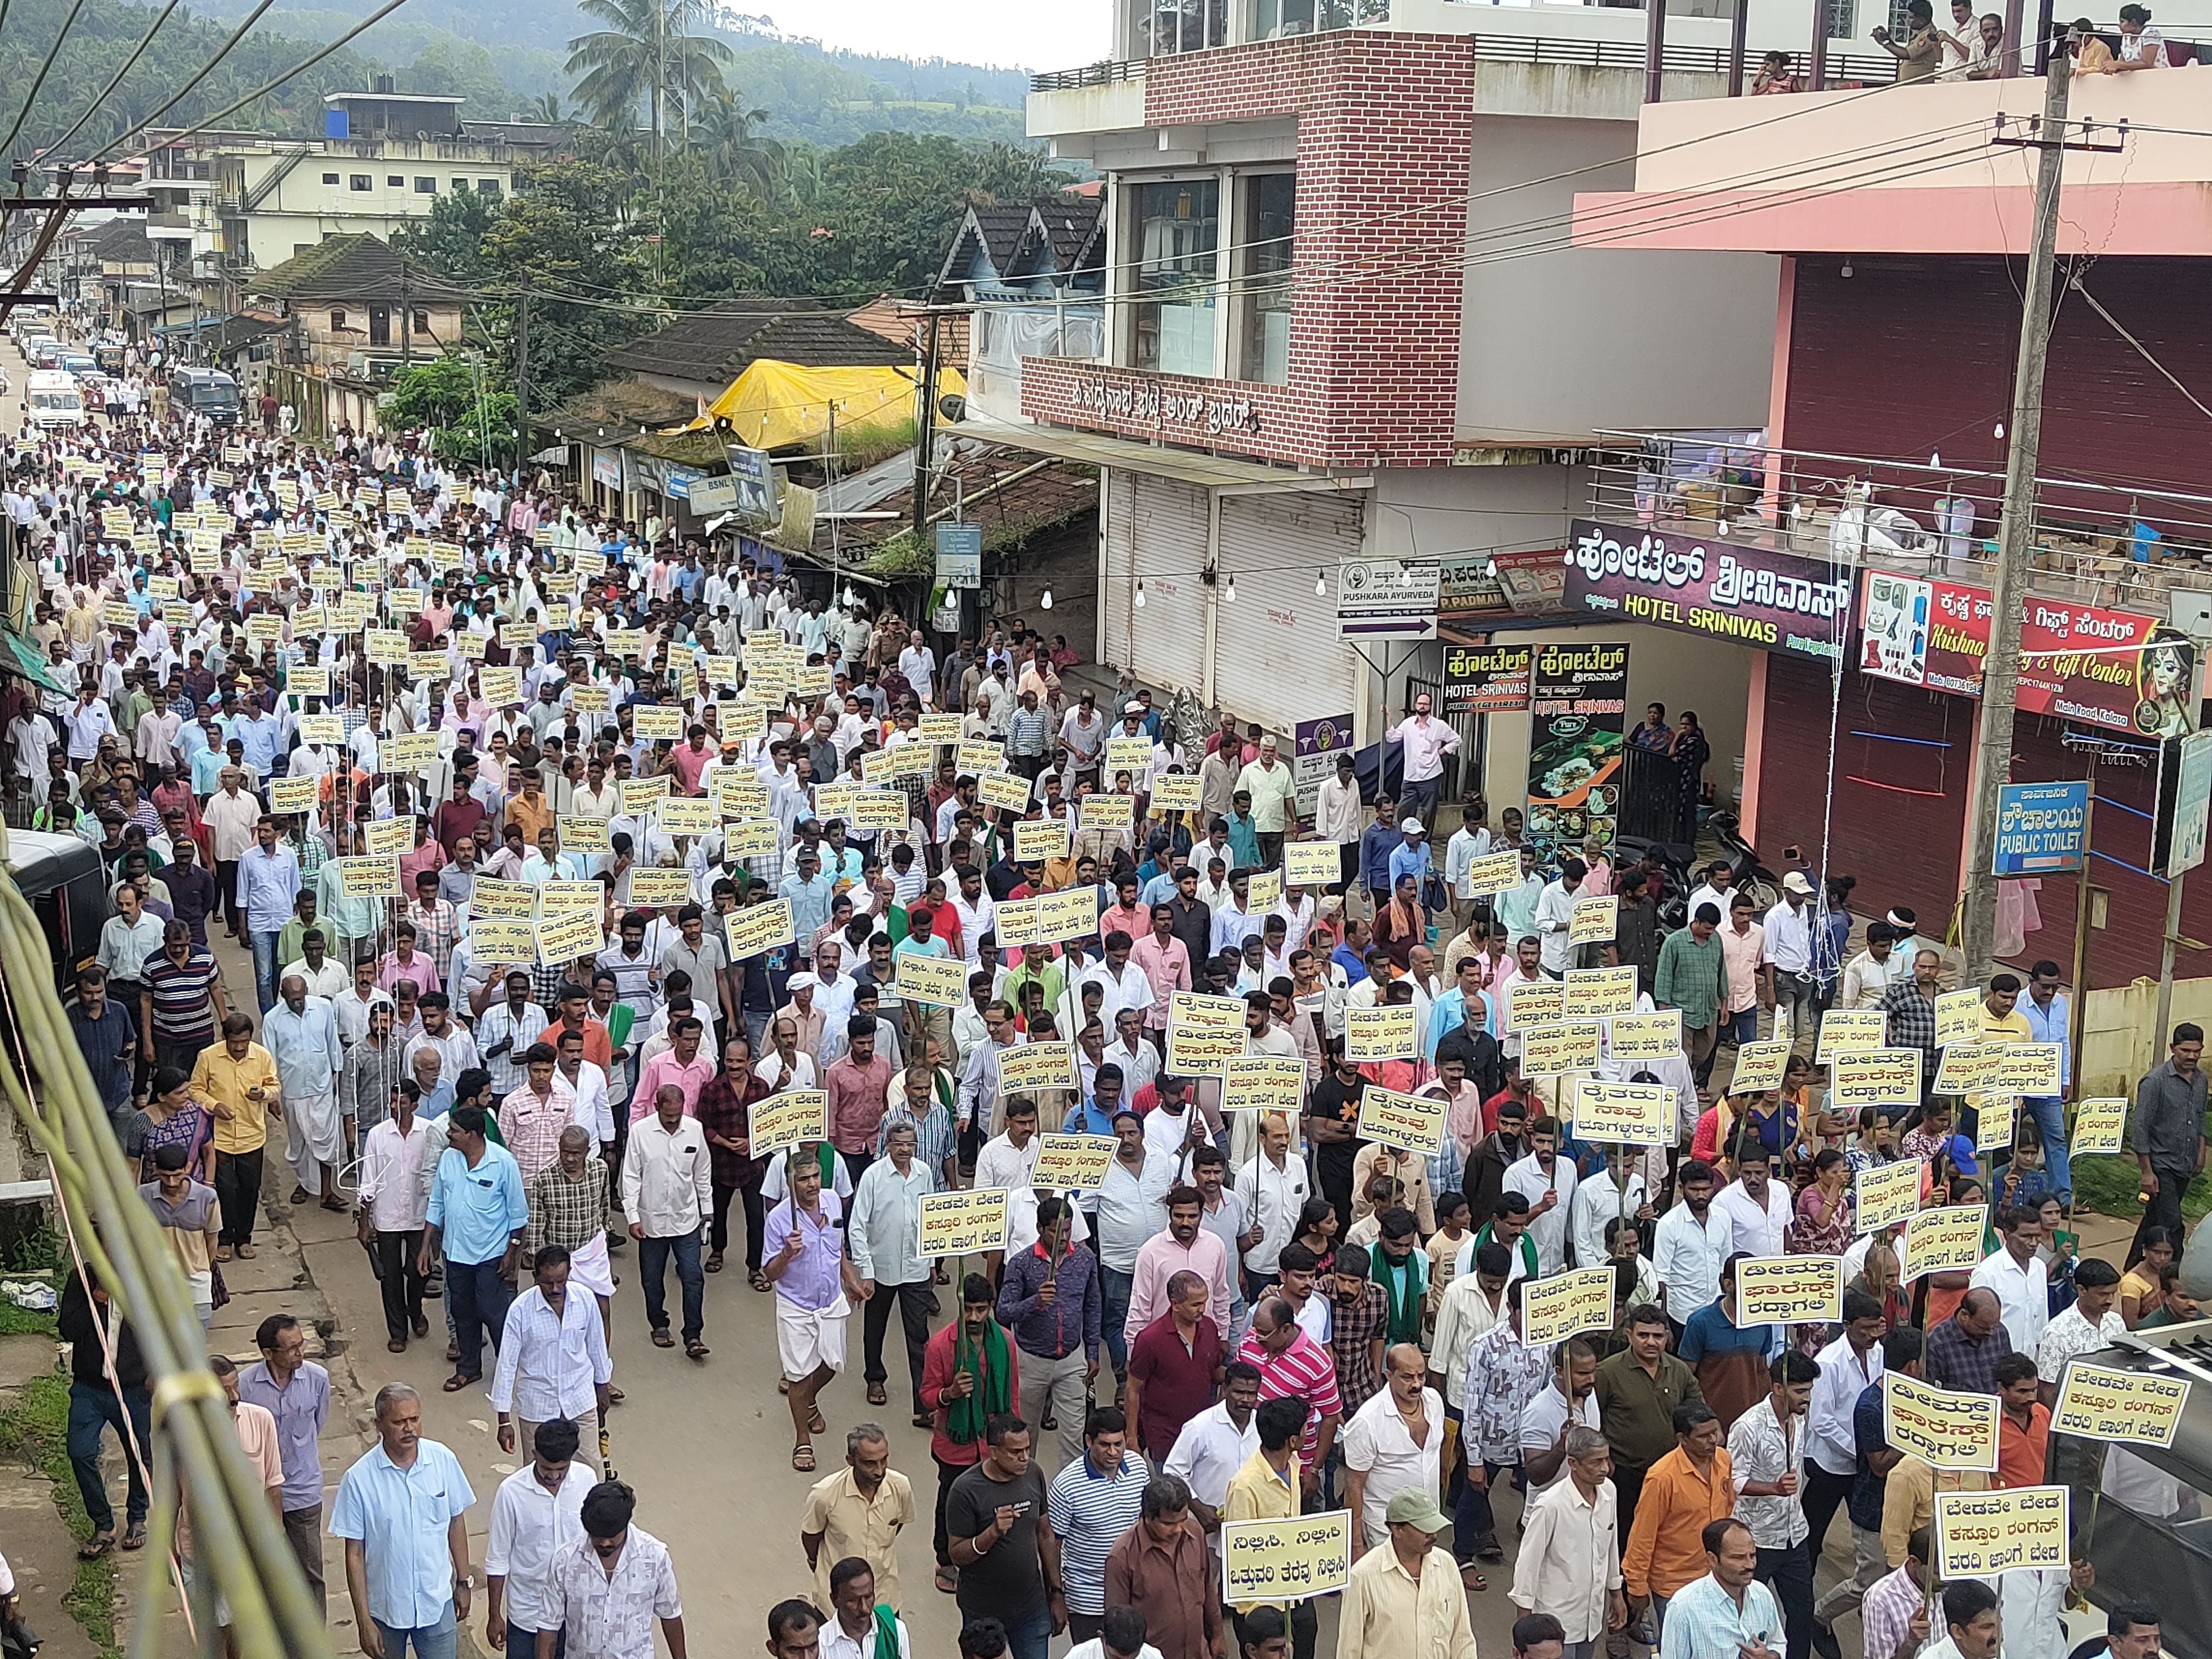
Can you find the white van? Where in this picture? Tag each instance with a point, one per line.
(54, 400)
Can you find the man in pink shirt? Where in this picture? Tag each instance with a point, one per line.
(690, 758)
(1124, 915)
(859, 1085)
(680, 1063)
(1185, 1247)
(1165, 964)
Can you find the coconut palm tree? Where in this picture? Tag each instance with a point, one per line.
(649, 55)
(725, 134)
(544, 107)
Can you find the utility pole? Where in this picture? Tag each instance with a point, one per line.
(522, 382)
(406, 320)
(925, 428)
(2015, 536)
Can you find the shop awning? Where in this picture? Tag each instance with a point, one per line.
(20, 655)
(1129, 455)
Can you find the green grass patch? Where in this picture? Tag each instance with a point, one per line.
(24, 1322)
(2108, 1186)
(36, 1429)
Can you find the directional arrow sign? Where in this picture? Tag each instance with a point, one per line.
(1383, 598)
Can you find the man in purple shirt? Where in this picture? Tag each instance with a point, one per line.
(1054, 1307)
(297, 1393)
(803, 1256)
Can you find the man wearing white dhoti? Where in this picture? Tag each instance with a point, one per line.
(301, 1034)
(568, 1203)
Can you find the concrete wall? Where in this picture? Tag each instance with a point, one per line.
(2119, 1043)
(1557, 344)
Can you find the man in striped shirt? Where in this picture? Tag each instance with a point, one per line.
(183, 1003)
(1293, 1365)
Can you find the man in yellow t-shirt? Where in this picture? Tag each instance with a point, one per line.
(1267, 1489)
(236, 1079)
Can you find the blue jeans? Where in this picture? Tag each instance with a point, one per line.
(264, 968)
(437, 1641)
(2050, 1116)
(652, 1255)
(1736, 1030)
(1115, 1290)
(1029, 1635)
(480, 1299)
(1475, 1529)
(523, 1643)
(90, 1411)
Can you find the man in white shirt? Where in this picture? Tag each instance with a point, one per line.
(2018, 1278)
(1394, 1442)
(668, 1193)
(1273, 1186)
(1849, 1366)
(394, 1195)
(552, 1358)
(1754, 1206)
(853, 1630)
(1217, 1443)
(2091, 1323)
(1548, 1182)
(536, 1511)
(1869, 975)
(1789, 952)
(1689, 1245)
(1427, 741)
(1555, 915)
(610, 1585)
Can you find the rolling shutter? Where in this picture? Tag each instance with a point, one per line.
(1276, 657)
(1160, 535)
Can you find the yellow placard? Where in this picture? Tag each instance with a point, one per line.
(1644, 1036)
(387, 646)
(1788, 1290)
(501, 685)
(1415, 1122)
(308, 682)
(657, 722)
(2031, 1068)
(1566, 1304)
(1289, 1560)
(2099, 1126)
(322, 729)
(1554, 1050)
(1178, 792)
(721, 673)
(1846, 1029)
(564, 936)
(1970, 1068)
(428, 665)
(291, 795)
(1593, 920)
(472, 645)
(1494, 872)
(1070, 914)
(788, 1118)
(1037, 840)
(738, 795)
(409, 751)
(1073, 1164)
(1307, 863)
(1263, 1083)
(1634, 1113)
(1874, 1077)
(1014, 924)
(584, 835)
(1127, 754)
(370, 878)
(2102, 1404)
(500, 943)
(1596, 992)
(1758, 1066)
(123, 615)
(756, 839)
(939, 729)
(880, 809)
(976, 758)
(1107, 811)
(388, 836)
(937, 981)
(592, 699)
(1204, 1032)
(1373, 1035)
(1885, 1195)
(1263, 891)
(833, 801)
(502, 900)
(1028, 1067)
(1979, 1534)
(687, 815)
(262, 627)
(1995, 1118)
(1958, 1016)
(651, 888)
(1941, 1427)
(757, 928)
(1005, 791)
(641, 795)
(1946, 1240)
(1535, 1002)
(961, 1222)
(556, 897)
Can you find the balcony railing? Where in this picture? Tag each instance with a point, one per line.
(1091, 74)
(2094, 544)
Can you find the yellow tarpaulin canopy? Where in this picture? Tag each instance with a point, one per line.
(775, 405)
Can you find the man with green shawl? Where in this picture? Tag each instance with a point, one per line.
(969, 1375)
(1401, 1269)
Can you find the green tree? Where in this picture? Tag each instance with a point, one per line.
(469, 420)
(650, 54)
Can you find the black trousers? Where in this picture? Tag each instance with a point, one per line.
(1627, 1487)
(914, 1314)
(226, 877)
(238, 1189)
(1788, 1574)
(946, 1474)
(717, 1239)
(396, 1254)
(1825, 1493)
(2164, 1209)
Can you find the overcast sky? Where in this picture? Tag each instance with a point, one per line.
(1012, 33)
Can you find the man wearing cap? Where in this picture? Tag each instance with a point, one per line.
(1426, 741)
(1410, 857)
(1406, 1599)
(1790, 953)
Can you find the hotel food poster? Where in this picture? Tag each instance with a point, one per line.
(1576, 731)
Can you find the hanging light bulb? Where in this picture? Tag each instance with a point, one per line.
(851, 599)
(1230, 595)
(2000, 432)
(1491, 569)
(1321, 585)
(1935, 458)
(1046, 602)
(1140, 594)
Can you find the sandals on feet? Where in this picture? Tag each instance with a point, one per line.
(663, 1339)
(877, 1395)
(695, 1350)
(802, 1459)
(97, 1545)
(815, 1425)
(947, 1583)
(714, 1262)
(134, 1536)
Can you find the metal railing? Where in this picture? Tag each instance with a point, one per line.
(2096, 543)
(1101, 74)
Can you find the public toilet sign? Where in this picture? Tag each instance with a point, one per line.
(2042, 828)
(1383, 599)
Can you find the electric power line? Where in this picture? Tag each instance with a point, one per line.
(108, 91)
(39, 79)
(237, 34)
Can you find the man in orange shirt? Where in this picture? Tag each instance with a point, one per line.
(2023, 1426)
(1684, 1492)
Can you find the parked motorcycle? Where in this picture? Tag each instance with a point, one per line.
(1742, 859)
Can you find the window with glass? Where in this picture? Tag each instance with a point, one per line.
(1264, 235)
(1178, 228)
(1273, 18)
(1168, 26)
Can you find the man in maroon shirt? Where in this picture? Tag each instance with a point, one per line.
(456, 820)
(1175, 1366)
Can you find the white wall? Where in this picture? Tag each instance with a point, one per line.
(1556, 346)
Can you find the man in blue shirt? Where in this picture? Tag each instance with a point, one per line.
(1377, 842)
(2045, 1005)
(296, 1392)
(107, 1036)
(809, 892)
(477, 1212)
(268, 884)
(399, 1510)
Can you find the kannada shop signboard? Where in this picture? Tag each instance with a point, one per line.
(1578, 727)
(2118, 670)
(1752, 595)
(1487, 679)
